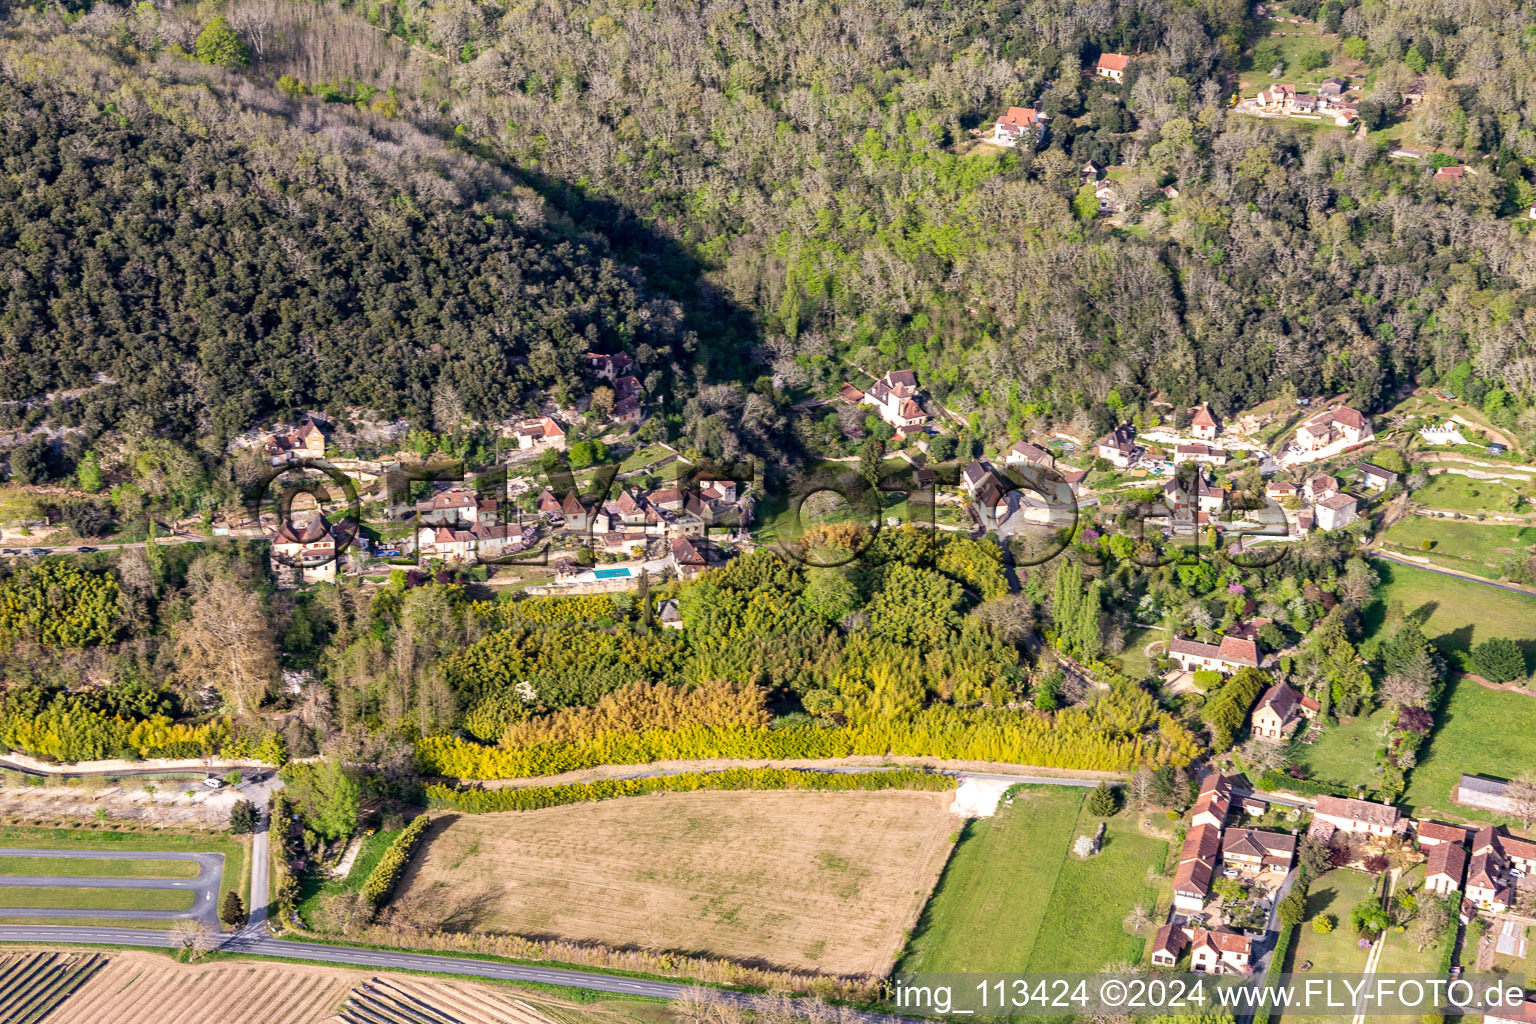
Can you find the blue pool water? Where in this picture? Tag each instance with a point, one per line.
(610, 574)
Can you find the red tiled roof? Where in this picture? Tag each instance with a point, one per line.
(1349, 417)
(1194, 876)
(1337, 502)
(1227, 942)
(1448, 859)
(684, 553)
(1358, 810)
(1113, 61)
(1203, 417)
(1203, 842)
(1442, 833)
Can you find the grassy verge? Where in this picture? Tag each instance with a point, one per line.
(147, 925)
(234, 848)
(34, 897)
(91, 867)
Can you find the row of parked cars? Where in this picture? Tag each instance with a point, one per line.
(15, 552)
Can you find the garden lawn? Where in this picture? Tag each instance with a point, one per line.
(642, 457)
(1478, 731)
(1401, 955)
(1458, 493)
(96, 899)
(989, 911)
(1334, 894)
(1132, 661)
(1345, 753)
(1461, 613)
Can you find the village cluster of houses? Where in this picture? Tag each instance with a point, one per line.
(1040, 494)
(1211, 848)
(1332, 101)
(1484, 865)
(1325, 505)
(457, 526)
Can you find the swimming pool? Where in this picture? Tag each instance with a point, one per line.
(611, 574)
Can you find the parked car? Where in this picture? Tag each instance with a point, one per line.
(10, 551)
(85, 549)
(41, 551)
(212, 782)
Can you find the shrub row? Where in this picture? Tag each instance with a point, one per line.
(1448, 954)
(1276, 968)
(1004, 736)
(381, 880)
(532, 798)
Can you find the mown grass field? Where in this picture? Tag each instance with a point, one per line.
(1345, 752)
(1478, 548)
(1460, 613)
(33, 897)
(90, 867)
(1013, 898)
(1478, 731)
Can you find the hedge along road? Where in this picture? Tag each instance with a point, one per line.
(204, 887)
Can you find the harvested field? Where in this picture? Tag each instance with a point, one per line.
(827, 882)
(32, 983)
(404, 1000)
(144, 988)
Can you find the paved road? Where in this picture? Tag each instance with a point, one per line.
(205, 887)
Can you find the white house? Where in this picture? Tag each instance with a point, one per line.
(1018, 123)
(894, 398)
(1119, 446)
(1336, 512)
(1112, 66)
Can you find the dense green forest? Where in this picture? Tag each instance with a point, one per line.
(430, 211)
(176, 242)
(813, 159)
